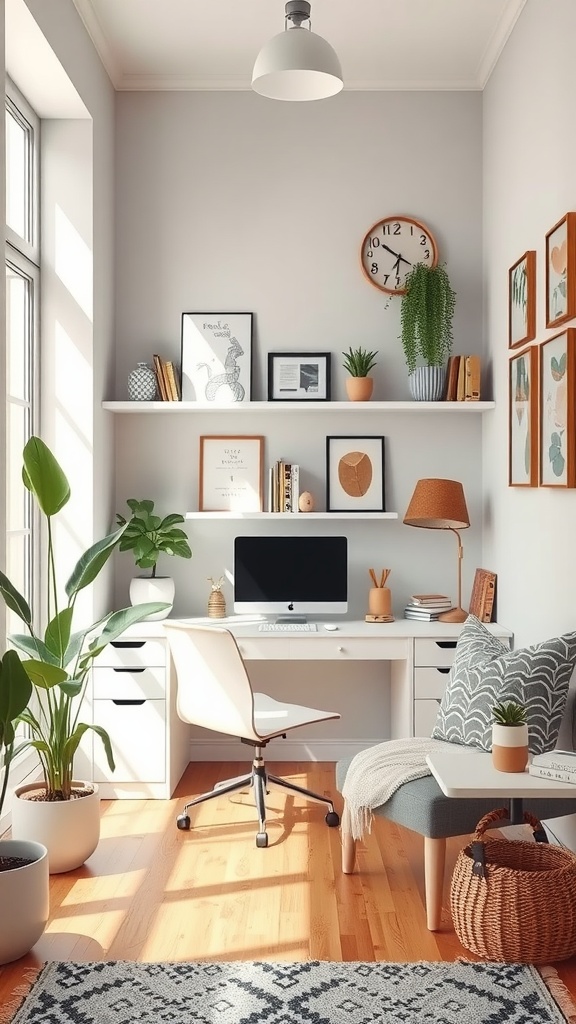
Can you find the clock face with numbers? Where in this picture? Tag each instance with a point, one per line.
(391, 248)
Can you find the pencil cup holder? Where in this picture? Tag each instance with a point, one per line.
(379, 601)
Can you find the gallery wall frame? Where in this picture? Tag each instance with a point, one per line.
(299, 376)
(561, 271)
(231, 473)
(355, 473)
(557, 381)
(522, 300)
(216, 358)
(523, 419)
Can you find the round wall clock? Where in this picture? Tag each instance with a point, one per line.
(391, 248)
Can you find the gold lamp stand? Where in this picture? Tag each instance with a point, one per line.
(456, 614)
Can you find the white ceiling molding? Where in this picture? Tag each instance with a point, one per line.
(499, 40)
(100, 40)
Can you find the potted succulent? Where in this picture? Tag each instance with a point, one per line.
(148, 536)
(60, 812)
(24, 890)
(509, 736)
(359, 362)
(426, 316)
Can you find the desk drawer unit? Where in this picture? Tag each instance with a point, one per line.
(432, 661)
(347, 649)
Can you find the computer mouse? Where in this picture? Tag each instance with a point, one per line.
(330, 625)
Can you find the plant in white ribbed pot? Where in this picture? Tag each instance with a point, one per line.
(509, 737)
(60, 812)
(148, 536)
(426, 316)
(24, 886)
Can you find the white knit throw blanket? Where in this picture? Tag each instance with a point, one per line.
(376, 773)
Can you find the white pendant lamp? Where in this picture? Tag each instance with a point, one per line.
(297, 64)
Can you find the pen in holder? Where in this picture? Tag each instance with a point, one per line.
(379, 599)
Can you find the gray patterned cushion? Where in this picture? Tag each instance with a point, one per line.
(485, 671)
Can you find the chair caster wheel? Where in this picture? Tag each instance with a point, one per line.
(332, 819)
(261, 840)
(183, 822)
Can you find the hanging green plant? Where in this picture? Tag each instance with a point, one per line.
(426, 316)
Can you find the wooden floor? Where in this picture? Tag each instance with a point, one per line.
(152, 893)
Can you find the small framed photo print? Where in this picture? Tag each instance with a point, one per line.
(561, 271)
(298, 376)
(523, 419)
(557, 413)
(230, 475)
(522, 300)
(216, 358)
(355, 474)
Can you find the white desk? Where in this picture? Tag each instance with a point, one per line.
(133, 693)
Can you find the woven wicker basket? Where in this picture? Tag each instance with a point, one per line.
(515, 900)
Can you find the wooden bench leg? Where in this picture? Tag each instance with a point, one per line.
(434, 860)
(348, 853)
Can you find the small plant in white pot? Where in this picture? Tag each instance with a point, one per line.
(148, 536)
(24, 888)
(59, 811)
(359, 362)
(509, 736)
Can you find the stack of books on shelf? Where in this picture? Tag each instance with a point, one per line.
(427, 607)
(167, 379)
(463, 379)
(559, 765)
(283, 487)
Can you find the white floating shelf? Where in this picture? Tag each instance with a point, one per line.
(294, 516)
(247, 407)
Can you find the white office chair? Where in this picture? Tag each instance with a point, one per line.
(214, 691)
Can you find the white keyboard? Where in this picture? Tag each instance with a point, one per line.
(288, 627)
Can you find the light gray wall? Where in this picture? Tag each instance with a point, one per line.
(233, 202)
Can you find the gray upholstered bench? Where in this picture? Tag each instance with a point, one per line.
(421, 806)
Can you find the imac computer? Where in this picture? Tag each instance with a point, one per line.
(291, 577)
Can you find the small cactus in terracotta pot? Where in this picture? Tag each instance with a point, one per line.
(509, 737)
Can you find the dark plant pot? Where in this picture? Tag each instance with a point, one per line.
(427, 383)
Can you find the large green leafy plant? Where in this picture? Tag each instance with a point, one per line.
(147, 535)
(426, 316)
(59, 659)
(15, 692)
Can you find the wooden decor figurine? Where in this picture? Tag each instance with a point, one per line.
(306, 502)
(216, 601)
(379, 598)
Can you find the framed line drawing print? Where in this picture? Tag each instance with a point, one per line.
(523, 419)
(522, 300)
(561, 271)
(230, 473)
(355, 474)
(298, 376)
(216, 358)
(557, 420)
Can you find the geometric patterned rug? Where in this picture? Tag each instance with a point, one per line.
(313, 992)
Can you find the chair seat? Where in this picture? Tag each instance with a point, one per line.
(275, 717)
(421, 805)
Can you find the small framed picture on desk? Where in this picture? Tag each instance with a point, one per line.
(231, 473)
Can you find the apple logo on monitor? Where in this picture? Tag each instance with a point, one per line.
(291, 606)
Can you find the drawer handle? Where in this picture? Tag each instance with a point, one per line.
(443, 671)
(128, 703)
(127, 643)
(134, 670)
(446, 644)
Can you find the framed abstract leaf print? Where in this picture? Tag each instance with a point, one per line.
(557, 381)
(523, 419)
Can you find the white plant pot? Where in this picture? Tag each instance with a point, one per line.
(509, 747)
(69, 829)
(24, 899)
(153, 588)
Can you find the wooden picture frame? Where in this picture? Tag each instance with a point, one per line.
(216, 358)
(355, 477)
(523, 419)
(299, 376)
(561, 271)
(522, 300)
(231, 473)
(557, 442)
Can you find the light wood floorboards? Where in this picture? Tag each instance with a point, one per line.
(152, 893)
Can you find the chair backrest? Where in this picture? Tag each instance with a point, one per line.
(213, 690)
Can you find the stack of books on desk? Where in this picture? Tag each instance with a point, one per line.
(559, 765)
(426, 607)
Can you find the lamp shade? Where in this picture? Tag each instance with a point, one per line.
(297, 65)
(438, 505)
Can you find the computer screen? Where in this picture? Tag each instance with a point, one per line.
(291, 575)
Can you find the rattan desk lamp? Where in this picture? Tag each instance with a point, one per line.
(441, 505)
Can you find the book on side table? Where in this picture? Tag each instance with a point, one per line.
(556, 764)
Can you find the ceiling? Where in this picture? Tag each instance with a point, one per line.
(382, 44)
